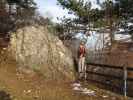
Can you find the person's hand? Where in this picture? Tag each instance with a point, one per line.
(81, 56)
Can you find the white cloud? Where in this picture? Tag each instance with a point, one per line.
(49, 8)
(56, 11)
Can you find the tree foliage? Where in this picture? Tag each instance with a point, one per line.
(12, 11)
(125, 8)
(79, 8)
(83, 9)
(126, 14)
(112, 15)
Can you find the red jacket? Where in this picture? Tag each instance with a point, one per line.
(81, 51)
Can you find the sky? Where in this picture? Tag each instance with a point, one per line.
(49, 8)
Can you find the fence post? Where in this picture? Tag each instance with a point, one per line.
(125, 82)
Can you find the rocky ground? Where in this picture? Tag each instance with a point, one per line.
(16, 84)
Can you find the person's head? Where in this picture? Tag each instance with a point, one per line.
(82, 43)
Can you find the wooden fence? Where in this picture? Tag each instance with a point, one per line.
(123, 78)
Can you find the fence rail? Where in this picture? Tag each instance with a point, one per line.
(124, 78)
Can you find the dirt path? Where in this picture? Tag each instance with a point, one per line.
(32, 86)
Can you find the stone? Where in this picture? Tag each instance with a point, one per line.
(35, 48)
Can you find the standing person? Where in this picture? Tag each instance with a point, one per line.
(81, 60)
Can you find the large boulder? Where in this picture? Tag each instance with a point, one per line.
(35, 48)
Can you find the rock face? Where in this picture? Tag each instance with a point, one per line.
(35, 48)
